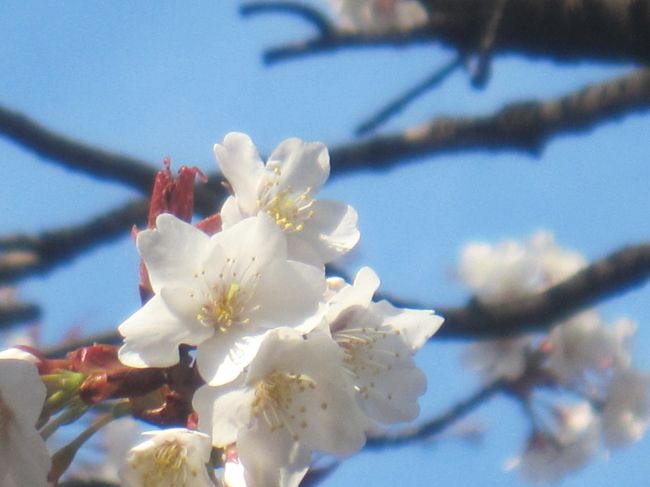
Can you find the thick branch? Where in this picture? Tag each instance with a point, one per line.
(436, 425)
(562, 30)
(524, 126)
(620, 271)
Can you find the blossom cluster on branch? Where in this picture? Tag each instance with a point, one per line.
(576, 383)
(244, 353)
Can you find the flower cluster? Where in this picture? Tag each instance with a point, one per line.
(377, 16)
(291, 363)
(583, 363)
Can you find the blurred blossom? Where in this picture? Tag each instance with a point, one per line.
(512, 269)
(377, 16)
(626, 412)
(584, 344)
(551, 456)
(493, 359)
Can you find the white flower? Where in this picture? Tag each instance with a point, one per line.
(550, 457)
(24, 459)
(292, 399)
(316, 230)
(494, 359)
(626, 413)
(375, 16)
(513, 269)
(378, 341)
(219, 293)
(584, 345)
(174, 457)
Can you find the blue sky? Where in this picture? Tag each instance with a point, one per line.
(156, 79)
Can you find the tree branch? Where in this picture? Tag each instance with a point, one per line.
(616, 273)
(310, 14)
(525, 126)
(94, 161)
(435, 425)
(76, 155)
(561, 30)
(12, 313)
(25, 255)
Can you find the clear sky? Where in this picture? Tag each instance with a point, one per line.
(170, 78)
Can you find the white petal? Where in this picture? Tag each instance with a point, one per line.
(223, 357)
(272, 458)
(288, 292)
(415, 325)
(301, 165)
(332, 230)
(231, 212)
(172, 251)
(223, 411)
(241, 166)
(27, 391)
(153, 333)
(255, 242)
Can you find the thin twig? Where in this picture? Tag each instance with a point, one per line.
(308, 13)
(399, 104)
(345, 40)
(435, 425)
(486, 46)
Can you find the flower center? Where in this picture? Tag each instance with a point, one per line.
(224, 308)
(275, 401)
(365, 356)
(290, 209)
(165, 465)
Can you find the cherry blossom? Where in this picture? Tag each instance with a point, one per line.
(174, 457)
(378, 341)
(220, 293)
(513, 269)
(292, 400)
(498, 358)
(376, 16)
(584, 345)
(317, 231)
(24, 459)
(626, 412)
(552, 455)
